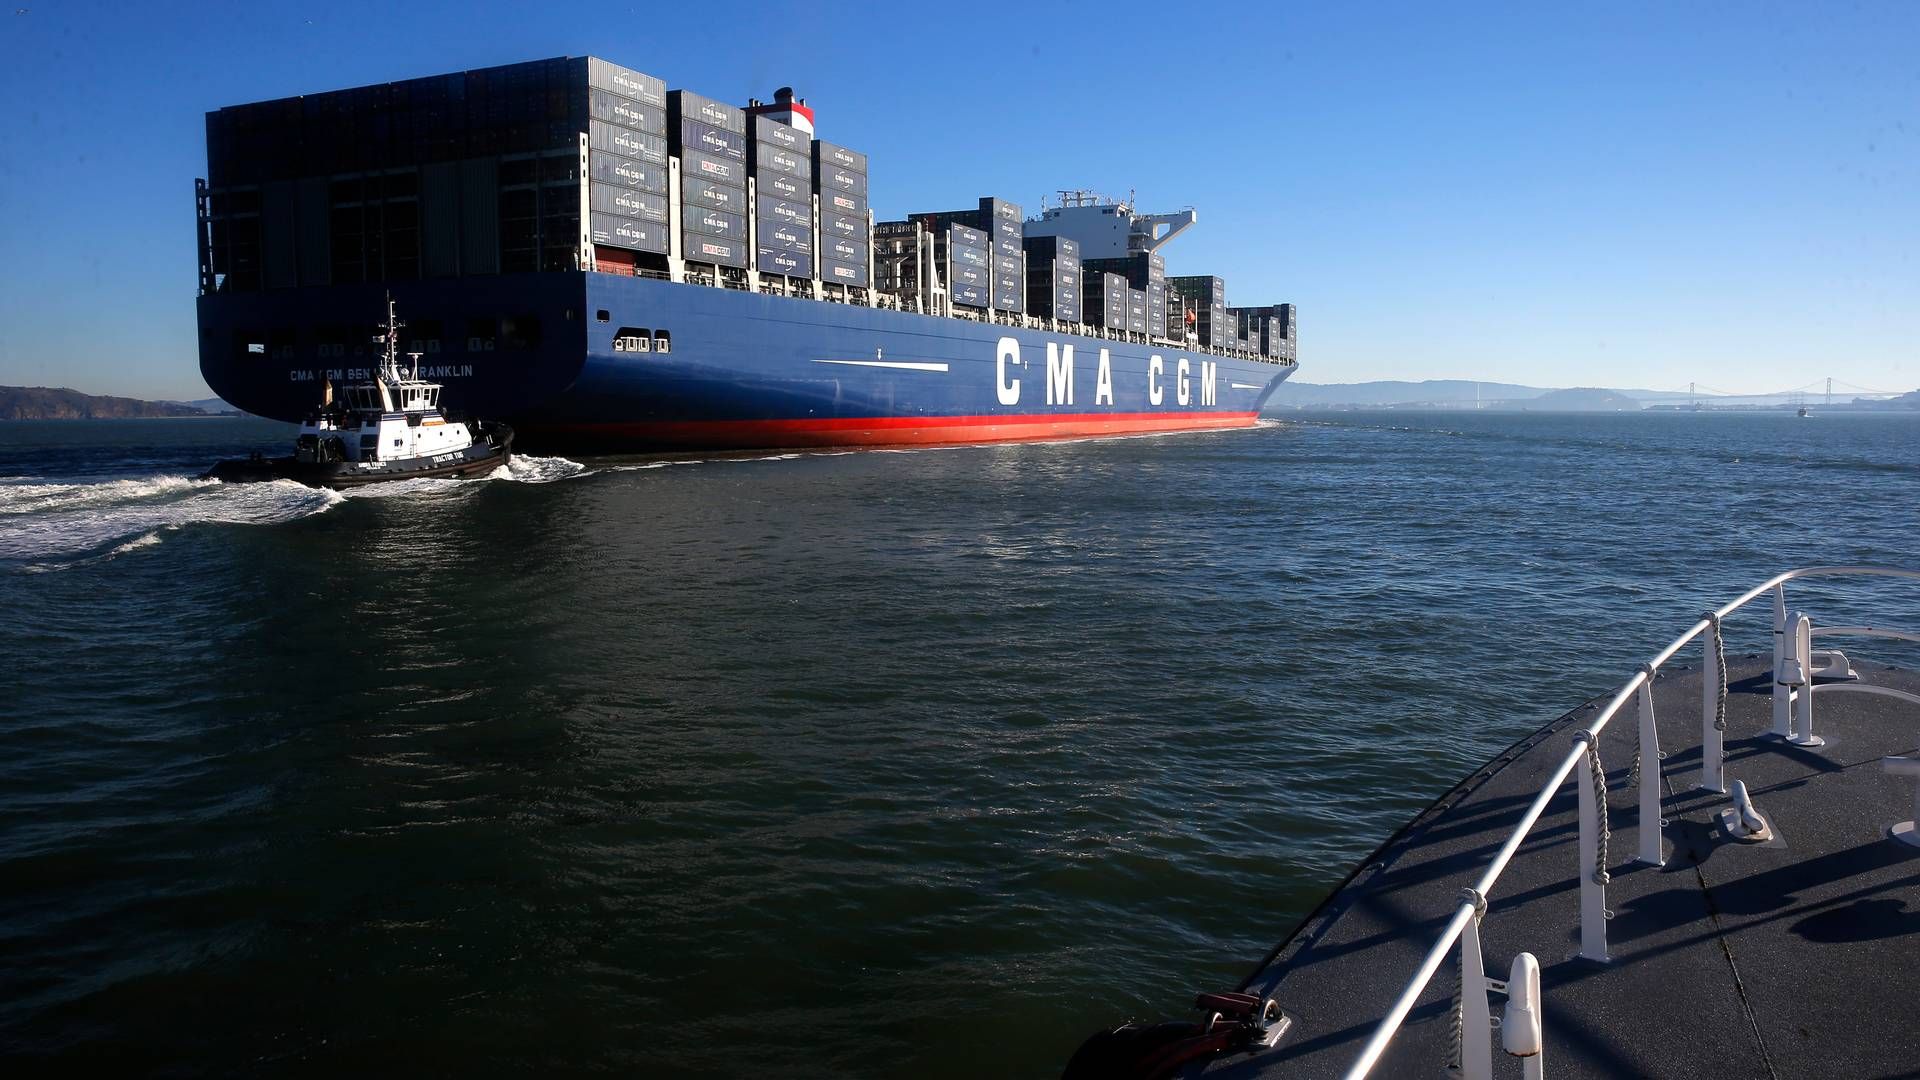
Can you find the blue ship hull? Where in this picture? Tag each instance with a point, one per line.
(743, 370)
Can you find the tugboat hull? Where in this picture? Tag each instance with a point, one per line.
(476, 460)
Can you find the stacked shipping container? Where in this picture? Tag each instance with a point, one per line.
(782, 167)
(840, 179)
(710, 139)
(1104, 301)
(1053, 277)
(1208, 297)
(626, 158)
(968, 259)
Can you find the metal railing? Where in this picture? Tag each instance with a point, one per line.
(1793, 674)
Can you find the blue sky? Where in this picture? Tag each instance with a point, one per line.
(1621, 194)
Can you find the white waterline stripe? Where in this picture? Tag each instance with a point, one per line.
(1245, 386)
(904, 365)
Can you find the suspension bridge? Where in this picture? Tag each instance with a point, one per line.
(1827, 391)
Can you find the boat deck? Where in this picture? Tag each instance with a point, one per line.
(1798, 957)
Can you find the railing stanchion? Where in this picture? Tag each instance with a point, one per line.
(1782, 692)
(1713, 765)
(1802, 634)
(1648, 778)
(1476, 1019)
(1592, 869)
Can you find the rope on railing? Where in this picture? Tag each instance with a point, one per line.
(1457, 1016)
(1720, 665)
(1604, 831)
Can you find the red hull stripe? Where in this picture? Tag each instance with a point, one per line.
(896, 430)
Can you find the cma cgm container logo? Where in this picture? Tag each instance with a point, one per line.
(783, 160)
(717, 223)
(629, 231)
(844, 179)
(842, 157)
(716, 114)
(779, 260)
(786, 234)
(715, 140)
(629, 114)
(632, 174)
(789, 211)
(1187, 390)
(845, 225)
(718, 196)
(636, 89)
(784, 187)
(628, 141)
(845, 250)
(720, 169)
(627, 200)
(847, 272)
(846, 204)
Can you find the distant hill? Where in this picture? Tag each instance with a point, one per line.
(1579, 399)
(48, 403)
(209, 405)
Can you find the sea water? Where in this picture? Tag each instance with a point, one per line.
(918, 763)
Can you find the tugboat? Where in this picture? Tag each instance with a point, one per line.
(388, 429)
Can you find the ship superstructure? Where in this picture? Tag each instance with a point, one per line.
(608, 262)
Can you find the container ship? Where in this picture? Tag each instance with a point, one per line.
(613, 266)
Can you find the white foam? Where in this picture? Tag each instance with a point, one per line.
(537, 470)
(59, 521)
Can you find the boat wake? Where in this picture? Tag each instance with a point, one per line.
(54, 526)
(103, 520)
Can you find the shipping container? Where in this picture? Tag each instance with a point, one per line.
(627, 82)
(778, 159)
(971, 256)
(784, 235)
(720, 170)
(1004, 263)
(1051, 247)
(780, 261)
(828, 154)
(716, 196)
(1140, 268)
(1205, 291)
(969, 295)
(844, 225)
(999, 211)
(851, 252)
(626, 232)
(626, 142)
(781, 210)
(842, 203)
(714, 222)
(835, 178)
(765, 129)
(630, 202)
(844, 273)
(623, 112)
(704, 248)
(687, 105)
(613, 170)
(693, 135)
(962, 236)
(968, 275)
(781, 186)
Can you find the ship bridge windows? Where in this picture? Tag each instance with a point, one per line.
(633, 339)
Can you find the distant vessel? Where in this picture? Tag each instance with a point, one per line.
(1803, 411)
(607, 264)
(390, 428)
